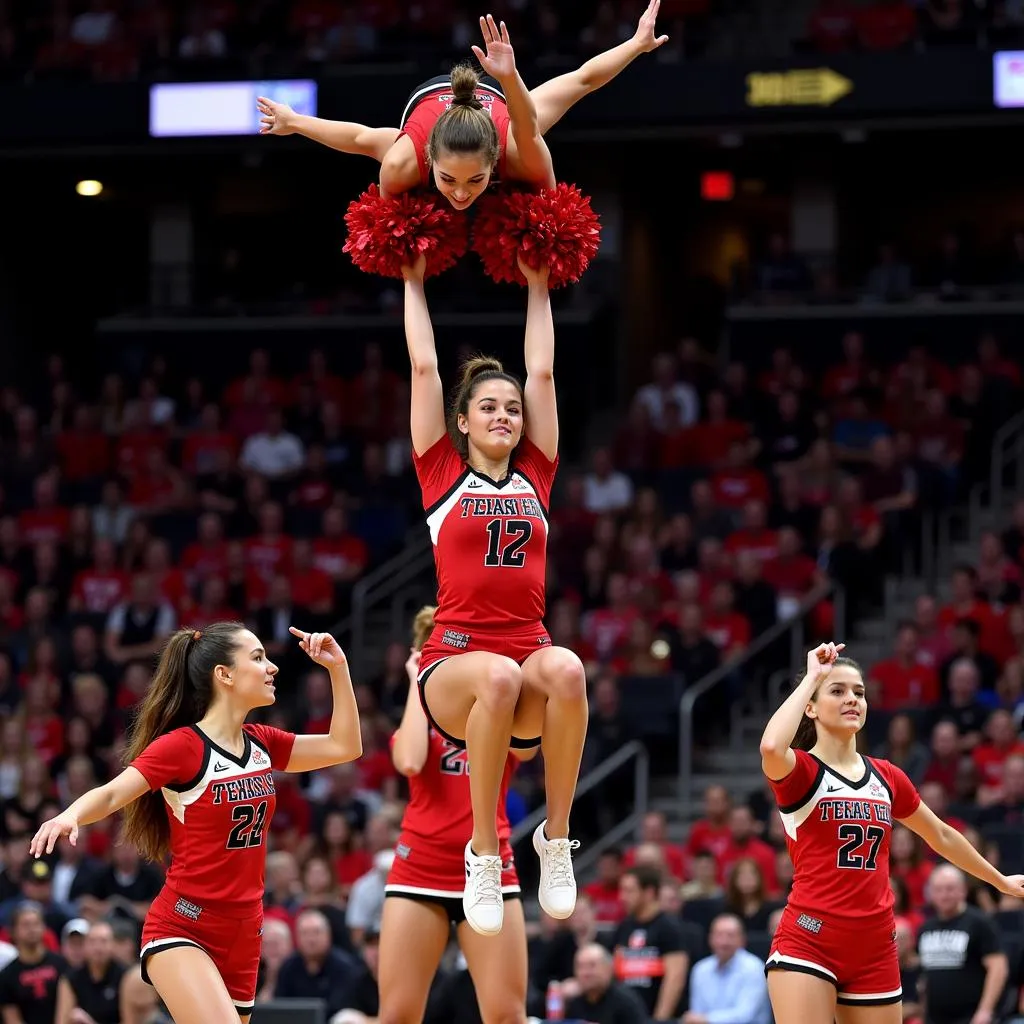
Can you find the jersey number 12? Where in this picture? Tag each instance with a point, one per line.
(506, 538)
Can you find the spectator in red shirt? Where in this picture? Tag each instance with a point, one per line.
(168, 579)
(737, 482)
(945, 756)
(934, 645)
(903, 681)
(886, 25)
(269, 552)
(792, 573)
(312, 588)
(207, 555)
(157, 488)
(258, 381)
(603, 893)
(711, 832)
(46, 520)
(713, 565)
(43, 729)
(84, 449)
(608, 628)
(96, 590)
(645, 576)
(907, 862)
(654, 832)
(935, 798)
(965, 604)
(999, 577)
(205, 449)
(745, 844)
(725, 627)
(339, 553)
(831, 28)
(853, 373)
(709, 440)
(212, 605)
(902, 748)
(1002, 740)
(754, 534)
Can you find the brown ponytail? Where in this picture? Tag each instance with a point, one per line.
(423, 625)
(474, 372)
(465, 127)
(179, 694)
(807, 732)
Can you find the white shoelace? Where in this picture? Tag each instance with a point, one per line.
(558, 860)
(485, 879)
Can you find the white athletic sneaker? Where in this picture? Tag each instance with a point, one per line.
(557, 894)
(482, 901)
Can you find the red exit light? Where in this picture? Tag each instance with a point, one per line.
(717, 186)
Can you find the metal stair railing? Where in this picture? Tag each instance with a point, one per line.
(633, 751)
(385, 582)
(794, 626)
(1007, 451)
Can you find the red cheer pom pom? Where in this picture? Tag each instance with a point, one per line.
(556, 226)
(385, 235)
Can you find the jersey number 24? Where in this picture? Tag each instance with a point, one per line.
(248, 829)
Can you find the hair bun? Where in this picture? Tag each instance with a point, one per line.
(465, 80)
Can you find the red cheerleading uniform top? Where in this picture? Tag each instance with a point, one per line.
(438, 822)
(838, 834)
(219, 807)
(489, 536)
(433, 104)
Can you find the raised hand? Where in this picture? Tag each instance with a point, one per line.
(500, 60)
(275, 118)
(644, 36)
(538, 276)
(321, 648)
(417, 271)
(1013, 885)
(45, 839)
(822, 658)
(412, 666)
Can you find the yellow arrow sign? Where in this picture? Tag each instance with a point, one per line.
(810, 87)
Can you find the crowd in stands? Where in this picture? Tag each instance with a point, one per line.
(953, 270)
(119, 40)
(725, 498)
(840, 25)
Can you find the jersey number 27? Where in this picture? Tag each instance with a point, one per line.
(854, 837)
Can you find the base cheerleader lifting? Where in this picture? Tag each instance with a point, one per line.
(424, 887)
(834, 955)
(199, 785)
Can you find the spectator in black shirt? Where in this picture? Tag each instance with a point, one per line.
(96, 984)
(37, 888)
(963, 707)
(33, 988)
(126, 888)
(963, 967)
(755, 598)
(910, 969)
(650, 957)
(602, 999)
(1009, 809)
(965, 636)
(316, 971)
